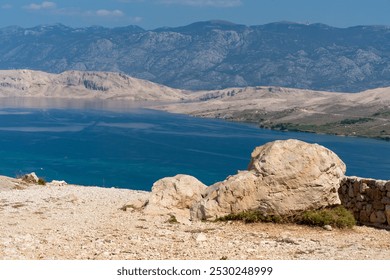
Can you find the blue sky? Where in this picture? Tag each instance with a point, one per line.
(151, 14)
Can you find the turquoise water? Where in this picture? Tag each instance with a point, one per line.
(135, 147)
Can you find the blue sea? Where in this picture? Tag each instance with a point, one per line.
(133, 147)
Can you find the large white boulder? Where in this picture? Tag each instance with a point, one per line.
(283, 178)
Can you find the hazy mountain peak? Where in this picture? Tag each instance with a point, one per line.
(202, 26)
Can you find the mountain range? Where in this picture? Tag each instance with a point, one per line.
(211, 55)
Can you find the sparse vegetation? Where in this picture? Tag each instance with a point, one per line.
(355, 121)
(252, 216)
(41, 181)
(349, 123)
(338, 217)
(311, 128)
(88, 84)
(384, 113)
(32, 179)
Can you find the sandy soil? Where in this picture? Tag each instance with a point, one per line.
(74, 222)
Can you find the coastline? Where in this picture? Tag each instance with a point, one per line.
(118, 105)
(295, 128)
(290, 127)
(307, 125)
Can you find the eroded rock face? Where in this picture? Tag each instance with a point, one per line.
(283, 177)
(175, 195)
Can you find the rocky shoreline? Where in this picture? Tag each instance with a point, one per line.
(61, 221)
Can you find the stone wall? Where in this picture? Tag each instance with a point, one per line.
(368, 199)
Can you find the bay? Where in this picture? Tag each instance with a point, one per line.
(133, 147)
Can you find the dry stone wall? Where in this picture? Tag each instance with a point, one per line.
(368, 199)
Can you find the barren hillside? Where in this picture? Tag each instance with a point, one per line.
(79, 84)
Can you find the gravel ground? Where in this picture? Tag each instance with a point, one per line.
(73, 222)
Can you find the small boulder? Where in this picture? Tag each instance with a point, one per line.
(31, 178)
(175, 195)
(58, 183)
(201, 237)
(135, 204)
(328, 227)
(283, 178)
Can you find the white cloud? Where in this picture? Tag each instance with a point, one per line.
(106, 13)
(52, 7)
(109, 13)
(202, 3)
(45, 5)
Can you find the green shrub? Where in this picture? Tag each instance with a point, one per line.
(355, 121)
(41, 181)
(337, 217)
(251, 216)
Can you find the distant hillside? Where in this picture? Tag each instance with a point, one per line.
(212, 54)
(362, 114)
(78, 84)
(365, 113)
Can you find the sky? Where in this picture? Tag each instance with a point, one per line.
(150, 14)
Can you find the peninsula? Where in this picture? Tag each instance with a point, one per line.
(365, 114)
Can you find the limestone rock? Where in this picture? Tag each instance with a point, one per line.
(283, 177)
(175, 195)
(328, 227)
(58, 183)
(31, 178)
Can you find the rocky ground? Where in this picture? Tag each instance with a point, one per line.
(72, 222)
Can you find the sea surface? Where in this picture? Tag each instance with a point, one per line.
(99, 145)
